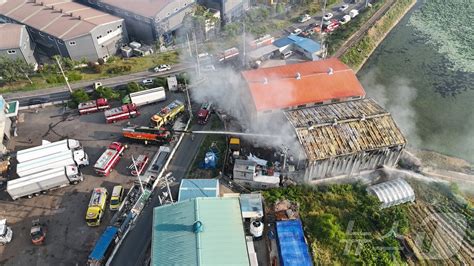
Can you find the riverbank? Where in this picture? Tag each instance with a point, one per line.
(358, 54)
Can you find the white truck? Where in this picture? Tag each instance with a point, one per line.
(6, 233)
(60, 159)
(149, 96)
(47, 148)
(38, 183)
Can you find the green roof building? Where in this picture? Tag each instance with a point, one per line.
(199, 231)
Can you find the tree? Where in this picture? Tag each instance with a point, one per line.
(107, 92)
(133, 87)
(80, 96)
(15, 69)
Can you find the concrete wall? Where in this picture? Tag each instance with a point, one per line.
(230, 9)
(17, 53)
(109, 38)
(351, 165)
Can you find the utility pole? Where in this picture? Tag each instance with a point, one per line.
(321, 30)
(62, 72)
(243, 44)
(197, 56)
(190, 110)
(138, 176)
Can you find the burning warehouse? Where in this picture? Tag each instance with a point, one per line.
(339, 131)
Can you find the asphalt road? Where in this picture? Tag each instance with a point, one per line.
(133, 250)
(62, 93)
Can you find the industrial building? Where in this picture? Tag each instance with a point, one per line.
(200, 231)
(306, 47)
(393, 192)
(230, 9)
(344, 139)
(15, 43)
(67, 28)
(195, 188)
(8, 115)
(300, 85)
(148, 20)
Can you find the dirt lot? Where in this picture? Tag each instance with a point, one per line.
(69, 240)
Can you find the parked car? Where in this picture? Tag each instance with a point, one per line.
(286, 54)
(343, 8)
(328, 16)
(345, 19)
(162, 68)
(304, 18)
(353, 13)
(330, 26)
(296, 31)
(147, 81)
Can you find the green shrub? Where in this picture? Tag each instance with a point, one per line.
(79, 96)
(133, 87)
(119, 69)
(160, 82)
(74, 76)
(108, 93)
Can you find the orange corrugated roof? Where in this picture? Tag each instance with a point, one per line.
(278, 87)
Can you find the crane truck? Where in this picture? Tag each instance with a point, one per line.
(168, 114)
(109, 159)
(47, 148)
(93, 106)
(121, 113)
(97, 205)
(38, 183)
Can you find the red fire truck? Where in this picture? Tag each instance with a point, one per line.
(147, 134)
(121, 113)
(109, 159)
(228, 54)
(93, 106)
(204, 113)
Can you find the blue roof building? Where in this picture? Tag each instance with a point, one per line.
(193, 188)
(305, 46)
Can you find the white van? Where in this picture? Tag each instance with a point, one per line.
(353, 13)
(286, 54)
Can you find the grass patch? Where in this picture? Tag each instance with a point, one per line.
(359, 52)
(116, 68)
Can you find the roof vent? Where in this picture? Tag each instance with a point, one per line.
(42, 3)
(362, 118)
(52, 7)
(70, 14)
(197, 227)
(61, 10)
(298, 75)
(335, 122)
(79, 17)
(265, 81)
(330, 71)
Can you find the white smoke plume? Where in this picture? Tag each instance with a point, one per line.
(402, 97)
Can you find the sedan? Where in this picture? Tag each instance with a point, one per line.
(162, 68)
(343, 8)
(328, 16)
(147, 81)
(296, 31)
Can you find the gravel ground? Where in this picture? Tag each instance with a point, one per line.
(69, 240)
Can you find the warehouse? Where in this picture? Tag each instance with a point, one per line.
(148, 20)
(18, 44)
(300, 85)
(67, 28)
(345, 139)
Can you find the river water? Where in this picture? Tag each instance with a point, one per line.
(426, 82)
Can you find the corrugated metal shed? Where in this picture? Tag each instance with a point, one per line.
(292, 246)
(221, 241)
(393, 192)
(194, 188)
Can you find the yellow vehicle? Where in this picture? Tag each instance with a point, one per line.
(97, 206)
(168, 114)
(116, 198)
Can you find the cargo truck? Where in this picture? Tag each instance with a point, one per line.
(103, 247)
(97, 205)
(109, 159)
(145, 97)
(93, 106)
(41, 182)
(168, 114)
(67, 157)
(121, 113)
(47, 148)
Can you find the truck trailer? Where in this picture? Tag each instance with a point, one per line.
(168, 114)
(109, 159)
(67, 157)
(121, 113)
(145, 97)
(93, 106)
(97, 205)
(50, 179)
(103, 247)
(46, 149)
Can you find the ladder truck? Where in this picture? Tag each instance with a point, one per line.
(121, 113)
(93, 106)
(109, 159)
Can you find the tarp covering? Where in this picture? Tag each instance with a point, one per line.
(98, 253)
(292, 247)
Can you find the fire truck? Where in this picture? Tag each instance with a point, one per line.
(147, 134)
(262, 41)
(109, 159)
(96, 207)
(121, 113)
(93, 106)
(228, 54)
(204, 113)
(168, 114)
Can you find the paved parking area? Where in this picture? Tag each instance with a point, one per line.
(69, 240)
